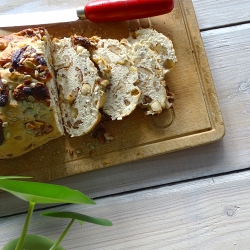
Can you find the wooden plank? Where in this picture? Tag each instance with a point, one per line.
(194, 120)
(230, 70)
(200, 215)
(205, 214)
(211, 14)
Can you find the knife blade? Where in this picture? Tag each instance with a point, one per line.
(95, 11)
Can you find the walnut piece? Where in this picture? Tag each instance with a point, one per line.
(38, 128)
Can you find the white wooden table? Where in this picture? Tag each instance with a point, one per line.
(197, 198)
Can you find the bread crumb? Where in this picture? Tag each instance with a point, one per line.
(78, 151)
(91, 153)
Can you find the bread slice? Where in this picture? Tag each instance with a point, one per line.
(29, 113)
(122, 94)
(81, 90)
(154, 56)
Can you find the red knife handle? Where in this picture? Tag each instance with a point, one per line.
(120, 10)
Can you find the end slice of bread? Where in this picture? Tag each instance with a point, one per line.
(81, 90)
(154, 56)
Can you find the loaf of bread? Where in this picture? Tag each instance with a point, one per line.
(122, 94)
(154, 56)
(81, 90)
(29, 112)
(51, 88)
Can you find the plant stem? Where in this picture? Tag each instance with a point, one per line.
(25, 227)
(62, 235)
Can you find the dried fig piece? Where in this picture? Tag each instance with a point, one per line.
(26, 61)
(84, 42)
(39, 92)
(147, 99)
(3, 94)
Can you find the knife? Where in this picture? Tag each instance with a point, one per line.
(95, 11)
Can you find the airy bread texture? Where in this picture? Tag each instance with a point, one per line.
(162, 45)
(29, 113)
(81, 90)
(122, 94)
(154, 56)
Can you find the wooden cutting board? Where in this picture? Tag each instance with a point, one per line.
(195, 119)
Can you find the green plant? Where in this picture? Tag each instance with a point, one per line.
(43, 193)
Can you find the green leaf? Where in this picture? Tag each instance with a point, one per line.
(44, 193)
(13, 177)
(32, 242)
(79, 217)
(80, 222)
